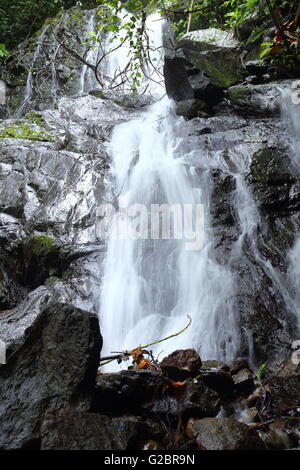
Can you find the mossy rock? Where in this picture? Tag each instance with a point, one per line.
(24, 130)
(42, 245)
(35, 118)
(270, 165)
(214, 53)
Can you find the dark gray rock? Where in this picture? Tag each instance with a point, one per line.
(225, 434)
(177, 84)
(54, 365)
(273, 184)
(216, 376)
(244, 382)
(192, 400)
(126, 390)
(283, 388)
(255, 99)
(238, 364)
(66, 429)
(181, 364)
(191, 108)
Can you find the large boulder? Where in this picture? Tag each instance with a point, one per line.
(214, 53)
(282, 392)
(53, 365)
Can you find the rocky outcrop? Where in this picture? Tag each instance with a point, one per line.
(55, 364)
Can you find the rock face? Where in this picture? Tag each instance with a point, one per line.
(225, 434)
(55, 366)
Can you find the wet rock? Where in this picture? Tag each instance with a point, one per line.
(214, 53)
(263, 98)
(238, 364)
(191, 108)
(243, 382)
(216, 376)
(126, 100)
(152, 445)
(193, 400)
(282, 434)
(270, 175)
(203, 89)
(181, 364)
(177, 84)
(66, 429)
(283, 388)
(126, 390)
(225, 434)
(54, 363)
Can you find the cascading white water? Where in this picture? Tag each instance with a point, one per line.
(150, 285)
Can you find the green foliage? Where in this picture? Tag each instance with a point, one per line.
(3, 51)
(20, 19)
(42, 245)
(261, 370)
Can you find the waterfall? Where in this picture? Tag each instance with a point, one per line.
(150, 285)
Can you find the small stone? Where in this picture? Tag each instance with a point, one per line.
(216, 376)
(238, 364)
(243, 382)
(181, 364)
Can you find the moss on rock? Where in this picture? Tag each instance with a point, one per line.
(24, 130)
(42, 244)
